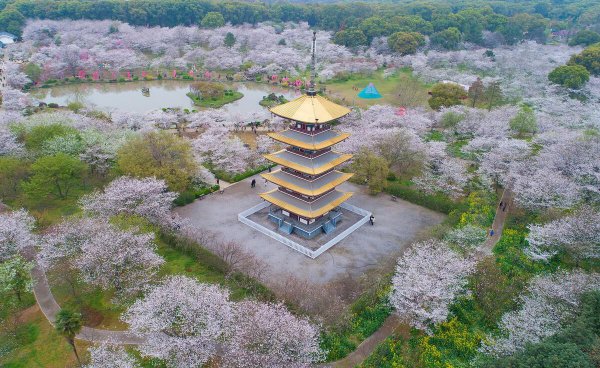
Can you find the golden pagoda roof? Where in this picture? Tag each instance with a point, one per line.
(307, 187)
(307, 141)
(310, 109)
(307, 165)
(309, 210)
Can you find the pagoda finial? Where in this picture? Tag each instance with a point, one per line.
(313, 67)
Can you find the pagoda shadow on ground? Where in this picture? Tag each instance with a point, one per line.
(397, 224)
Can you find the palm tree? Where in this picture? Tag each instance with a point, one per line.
(68, 324)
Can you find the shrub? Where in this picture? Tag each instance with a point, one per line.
(570, 76)
(437, 202)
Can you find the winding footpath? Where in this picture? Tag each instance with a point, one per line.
(49, 306)
(391, 325)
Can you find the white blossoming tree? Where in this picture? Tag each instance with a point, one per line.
(16, 233)
(110, 356)
(579, 234)
(428, 277)
(183, 321)
(146, 197)
(103, 254)
(551, 301)
(268, 335)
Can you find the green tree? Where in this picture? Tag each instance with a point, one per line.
(213, 20)
(33, 71)
(585, 37)
(493, 95)
(229, 39)
(40, 134)
(447, 39)
(370, 169)
(524, 122)
(588, 58)
(570, 76)
(14, 277)
(374, 27)
(11, 20)
(68, 324)
(493, 291)
(476, 91)
(56, 175)
(472, 25)
(406, 43)
(162, 155)
(351, 37)
(12, 172)
(446, 95)
(410, 23)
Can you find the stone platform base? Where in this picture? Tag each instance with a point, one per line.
(352, 218)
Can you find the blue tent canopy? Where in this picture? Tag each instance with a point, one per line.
(369, 92)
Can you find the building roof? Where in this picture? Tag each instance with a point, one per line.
(314, 209)
(315, 142)
(310, 109)
(307, 187)
(311, 166)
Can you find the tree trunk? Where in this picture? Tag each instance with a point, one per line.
(72, 343)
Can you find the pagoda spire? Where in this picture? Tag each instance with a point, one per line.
(313, 68)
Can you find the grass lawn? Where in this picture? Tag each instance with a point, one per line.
(216, 103)
(400, 89)
(36, 344)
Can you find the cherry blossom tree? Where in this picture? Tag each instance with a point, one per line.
(16, 233)
(268, 335)
(218, 148)
(579, 234)
(146, 197)
(183, 321)
(103, 254)
(551, 301)
(467, 237)
(15, 78)
(109, 356)
(544, 188)
(9, 144)
(15, 100)
(428, 277)
(442, 173)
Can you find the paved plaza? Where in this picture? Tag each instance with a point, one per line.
(396, 225)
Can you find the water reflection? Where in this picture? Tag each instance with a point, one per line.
(129, 96)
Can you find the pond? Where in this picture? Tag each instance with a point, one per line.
(129, 97)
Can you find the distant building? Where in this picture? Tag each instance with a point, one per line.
(6, 39)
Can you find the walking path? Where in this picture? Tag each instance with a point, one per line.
(393, 323)
(49, 306)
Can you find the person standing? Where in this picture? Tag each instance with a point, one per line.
(372, 219)
(253, 183)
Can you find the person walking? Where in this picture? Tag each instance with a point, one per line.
(253, 183)
(492, 232)
(266, 183)
(372, 220)
(217, 181)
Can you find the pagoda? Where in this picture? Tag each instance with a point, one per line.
(306, 200)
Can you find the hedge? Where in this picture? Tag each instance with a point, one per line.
(437, 202)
